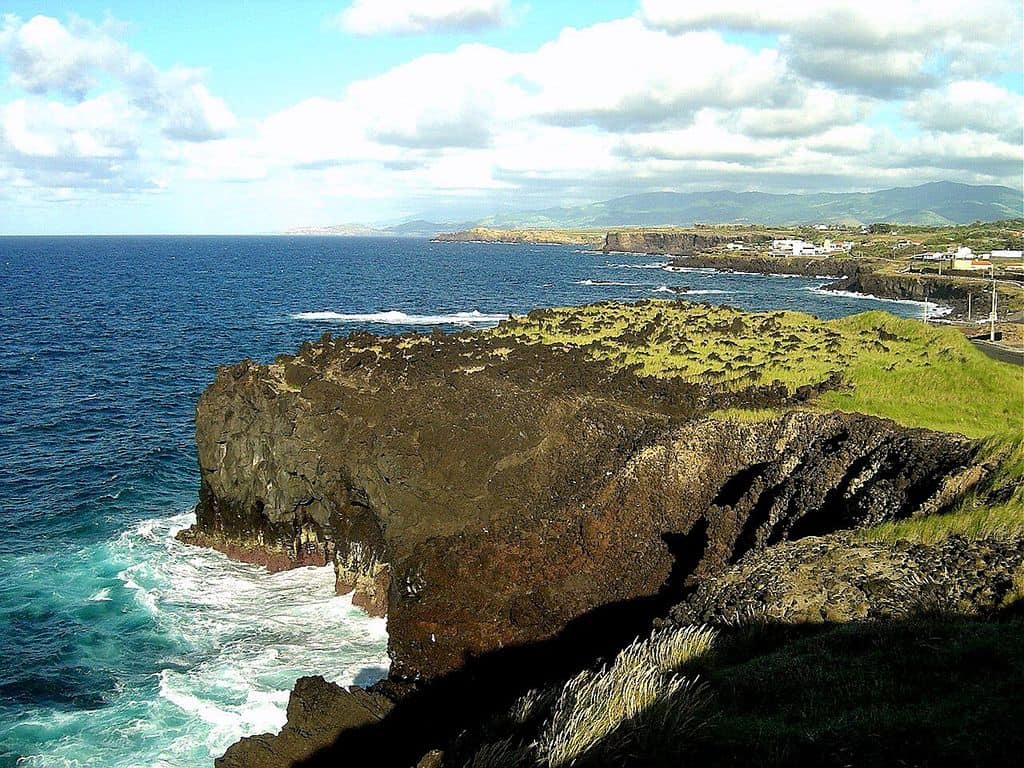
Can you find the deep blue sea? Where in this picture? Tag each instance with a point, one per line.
(120, 647)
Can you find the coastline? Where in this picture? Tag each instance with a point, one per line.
(583, 454)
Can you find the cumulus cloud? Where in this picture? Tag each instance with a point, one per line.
(46, 56)
(972, 105)
(404, 17)
(621, 76)
(90, 144)
(442, 100)
(617, 100)
(833, 95)
(877, 47)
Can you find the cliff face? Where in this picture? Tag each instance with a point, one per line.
(779, 265)
(522, 236)
(485, 494)
(672, 243)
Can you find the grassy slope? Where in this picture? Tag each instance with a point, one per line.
(929, 691)
(905, 370)
(918, 375)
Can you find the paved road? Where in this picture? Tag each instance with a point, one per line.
(999, 352)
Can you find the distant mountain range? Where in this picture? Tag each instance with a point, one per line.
(936, 204)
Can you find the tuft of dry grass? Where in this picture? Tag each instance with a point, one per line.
(641, 698)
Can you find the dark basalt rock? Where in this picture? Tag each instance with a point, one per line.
(839, 579)
(487, 500)
(318, 711)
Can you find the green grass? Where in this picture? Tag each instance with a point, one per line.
(929, 691)
(930, 377)
(914, 373)
(976, 515)
(641, 705)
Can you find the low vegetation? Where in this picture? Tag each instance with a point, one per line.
(642, 707)
(995, 509)
(927, 691)
(911, 372)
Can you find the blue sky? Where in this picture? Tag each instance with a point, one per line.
(121, 116)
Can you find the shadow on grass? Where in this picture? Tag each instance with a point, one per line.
(433, 715)
(932, 690)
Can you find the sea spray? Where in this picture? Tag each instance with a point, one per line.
(230, 640)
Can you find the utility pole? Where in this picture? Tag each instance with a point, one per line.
(992, 316)
(969, 297)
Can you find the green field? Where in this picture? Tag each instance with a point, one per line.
(905, 370)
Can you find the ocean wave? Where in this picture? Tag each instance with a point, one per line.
(669, 267)
(691, 292)
(934, 310)
(233, 638)
(609, 283)
(396, 317)
(656, 265)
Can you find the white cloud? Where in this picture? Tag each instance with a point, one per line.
(45, 56)
(878, 47)
(836, 95)
(93, 144)
(621, 75)
(403, 17)
(441, 100)
(970, 105)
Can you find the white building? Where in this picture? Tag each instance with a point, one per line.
(793, 247)
(1017, 255)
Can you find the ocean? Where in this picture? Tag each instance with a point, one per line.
(120, 647)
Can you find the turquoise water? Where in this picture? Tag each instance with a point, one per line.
(120, 647)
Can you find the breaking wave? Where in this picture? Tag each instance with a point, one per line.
(933, 309)
(609, 283)
(231, 639)
(691, 292)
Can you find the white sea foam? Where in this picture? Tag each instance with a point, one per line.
(933, 309)
(237, 639)
(691, 292)
(396, 317)
(608, 283)
(674, 268)
(655, 265)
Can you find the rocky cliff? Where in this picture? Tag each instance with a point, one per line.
(675, 243)
(523, 236)
(523, 501)
(484, 492)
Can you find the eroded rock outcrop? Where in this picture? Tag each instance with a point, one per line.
(840, 579)
(485, 494)
(669, 242)
(318, 711)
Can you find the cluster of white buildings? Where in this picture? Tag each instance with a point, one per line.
(804, 248)
(964, 259)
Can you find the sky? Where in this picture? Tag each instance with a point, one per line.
(189, 116)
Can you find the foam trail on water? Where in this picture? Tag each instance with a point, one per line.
(235, 639)
(608, 283)
(655, 265)
(691, 292)
(668, 267)
(933, 309)
(396, 317)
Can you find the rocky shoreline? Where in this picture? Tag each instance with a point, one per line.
(519, 510)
